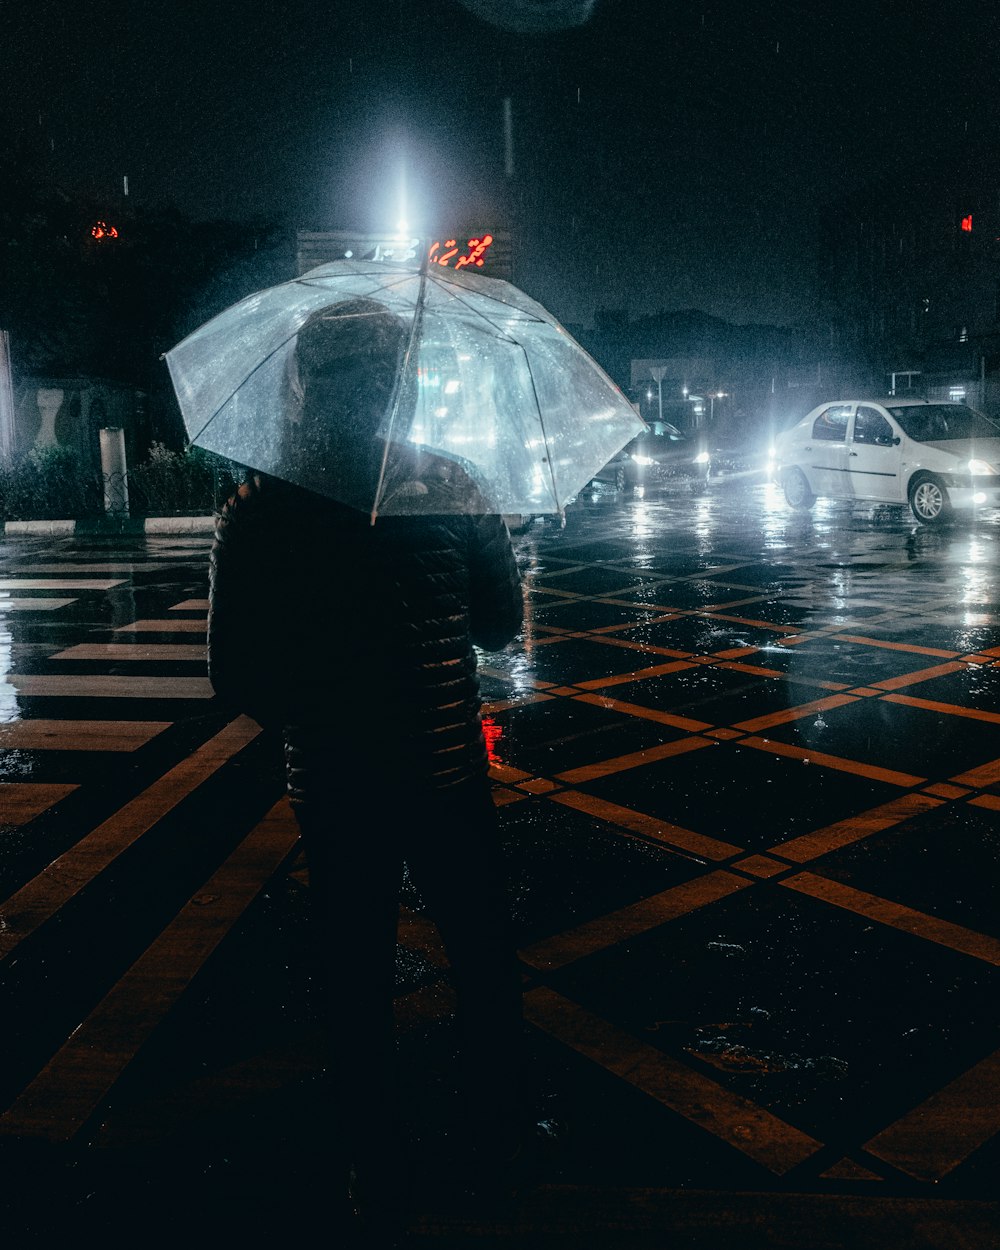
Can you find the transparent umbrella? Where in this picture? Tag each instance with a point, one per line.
(443, 391)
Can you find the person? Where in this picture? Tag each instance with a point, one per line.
(357, 641)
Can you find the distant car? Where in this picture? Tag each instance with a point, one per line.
(659, 455)
(518, 522)
(932, 456)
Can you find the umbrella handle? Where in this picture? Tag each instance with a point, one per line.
(398, 393)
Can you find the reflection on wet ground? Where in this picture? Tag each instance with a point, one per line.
(748, 769)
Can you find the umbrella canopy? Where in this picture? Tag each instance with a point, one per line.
(402, 390)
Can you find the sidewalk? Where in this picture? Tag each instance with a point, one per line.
(111, 525)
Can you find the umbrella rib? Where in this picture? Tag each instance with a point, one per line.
(317, 283)
(400, 382)
(534, 390)
(443, 278)
(541, 422)
(477, 312)
(259, 365)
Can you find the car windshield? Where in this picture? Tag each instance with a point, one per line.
(661, 429)
(932, 423)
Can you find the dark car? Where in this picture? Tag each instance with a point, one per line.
(658, 456)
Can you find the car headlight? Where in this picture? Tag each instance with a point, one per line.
(980, 468)
(701, 458)
(643, 460)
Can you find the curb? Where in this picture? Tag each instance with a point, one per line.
(113, 525)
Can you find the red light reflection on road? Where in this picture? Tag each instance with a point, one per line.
(492, 732)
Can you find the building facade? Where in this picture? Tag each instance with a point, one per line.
(912, 276)
(480, 251)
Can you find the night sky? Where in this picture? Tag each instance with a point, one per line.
(665, 155)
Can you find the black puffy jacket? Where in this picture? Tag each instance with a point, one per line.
(325, 625)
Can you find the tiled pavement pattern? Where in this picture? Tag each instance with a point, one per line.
(748, 766)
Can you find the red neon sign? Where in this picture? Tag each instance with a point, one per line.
(967, 223)
(101, 230)
(453, 253)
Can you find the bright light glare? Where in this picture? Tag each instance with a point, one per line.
(452, 386)
(643, 460)
(701, 458)
(981, 469)
(979, 497)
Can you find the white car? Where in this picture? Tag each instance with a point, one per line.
(932, 456)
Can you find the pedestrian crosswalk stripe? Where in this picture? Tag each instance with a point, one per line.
(79, 735)
(852, 829)
(757, 723)
(931, 928)
(60, 583)
(619, 763)
(933, 1138)
(129, 651)
(25, 911)
(628, 922)
(32, 605)
(742, 1124)
(108, 686)
(179, 625)
(21, 801)
(75, 1081)
(823, 760)
(648, 826)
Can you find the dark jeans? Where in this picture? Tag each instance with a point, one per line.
(357, 833)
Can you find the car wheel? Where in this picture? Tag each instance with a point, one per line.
(929, 501)
(796, 488)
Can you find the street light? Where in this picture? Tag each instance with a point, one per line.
(711, 404)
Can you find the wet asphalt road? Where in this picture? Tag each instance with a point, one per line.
(748, 769)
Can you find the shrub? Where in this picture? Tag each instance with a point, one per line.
(189, 481)
(47, 484)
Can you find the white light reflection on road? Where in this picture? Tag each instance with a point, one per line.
(643, 529)
(521, 670)
(978, 585)
(775, 515)
(9, 711)
(703, 525)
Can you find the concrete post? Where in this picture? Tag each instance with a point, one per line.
(6, 400)
(114, 471)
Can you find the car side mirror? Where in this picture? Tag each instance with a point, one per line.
(896, 440)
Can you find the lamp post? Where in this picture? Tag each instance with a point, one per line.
(657, 372)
